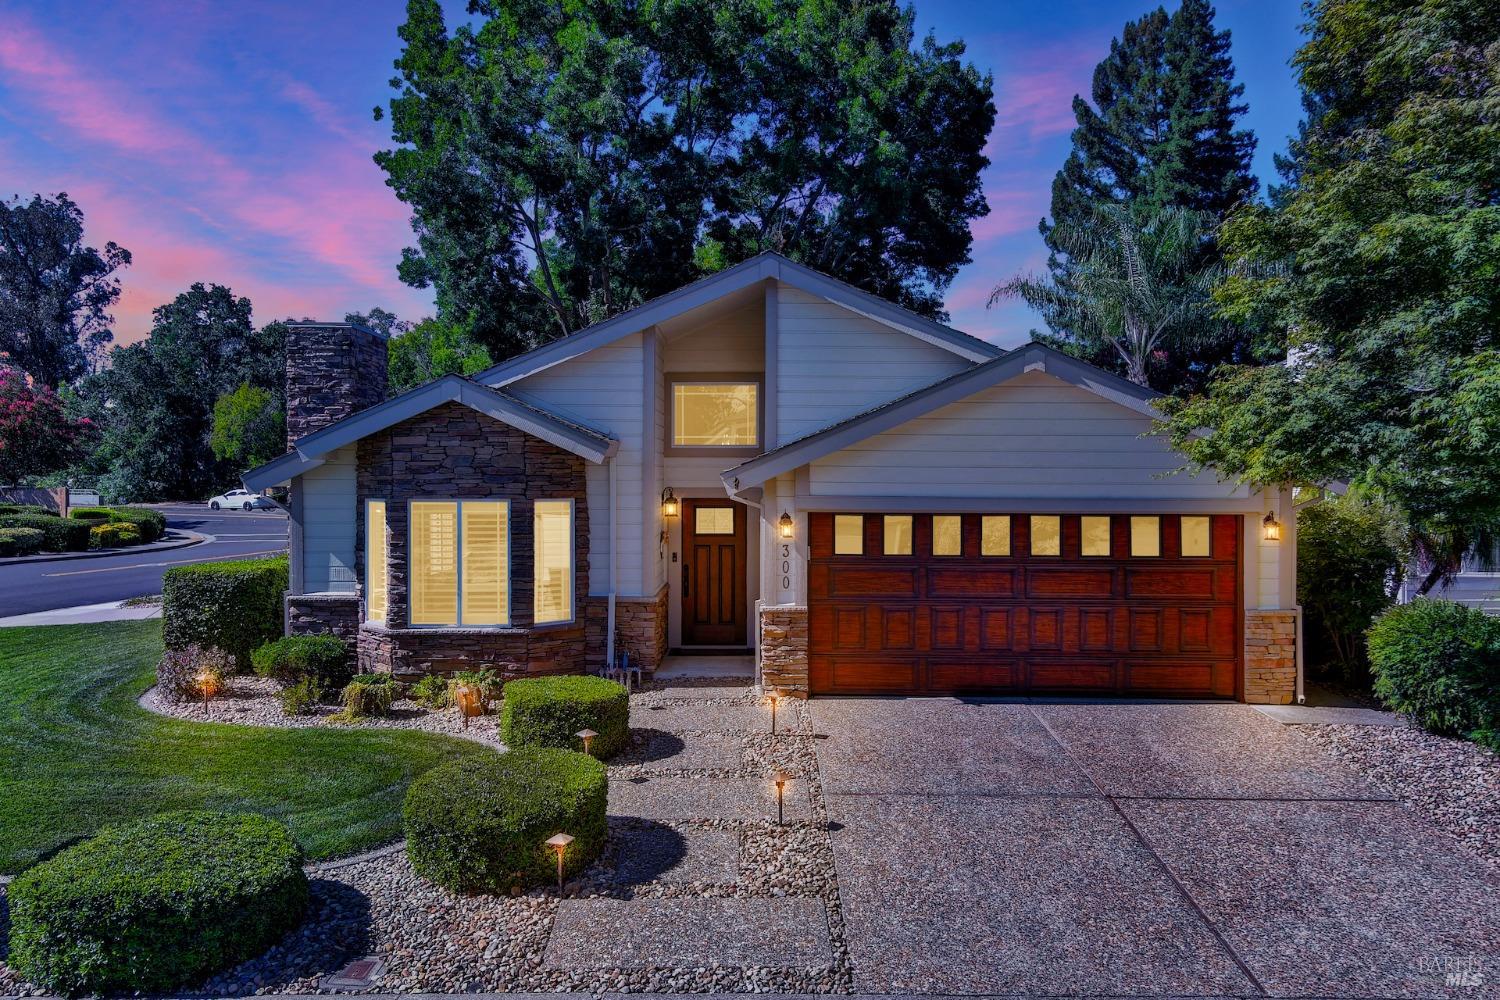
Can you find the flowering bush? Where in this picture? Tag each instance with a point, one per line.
(183, 674)
(36, 434)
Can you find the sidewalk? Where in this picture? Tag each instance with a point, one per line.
(112, 611)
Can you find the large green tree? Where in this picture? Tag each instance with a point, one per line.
(1161, 132)
(1380, 260)
(430, 350)
(154, 403)
(55, 292)
(565, 161)
(249, 427)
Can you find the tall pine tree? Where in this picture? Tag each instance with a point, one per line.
(1160, 134)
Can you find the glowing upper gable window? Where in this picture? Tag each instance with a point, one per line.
(715, 415)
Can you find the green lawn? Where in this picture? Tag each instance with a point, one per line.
(77, 753)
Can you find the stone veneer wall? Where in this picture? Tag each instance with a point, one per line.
(318, 613)
(640, 623)
(1270, 657)
(332, 370)
(455, 453)
(783, 649)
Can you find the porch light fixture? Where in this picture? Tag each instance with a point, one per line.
(781, 780)
(559, 842)
(775, 698)
(788, 526)
(587, 735)
(1271, 527)
(668, 503)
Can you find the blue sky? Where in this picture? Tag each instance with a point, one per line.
(232, 142)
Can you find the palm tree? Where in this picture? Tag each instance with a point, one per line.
(1138, 279)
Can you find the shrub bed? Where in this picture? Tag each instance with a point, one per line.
(20, 542)
(550, 711)
(59, 534)
(481, 824)
(234, 606)
(157, 905)
(112, 536)
(152, 524)
(323, 658)
(182, 674)
(11, 509)
(1439, 662)
(90, 513)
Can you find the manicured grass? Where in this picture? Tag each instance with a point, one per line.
(77, 753)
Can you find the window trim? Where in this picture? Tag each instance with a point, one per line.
(458, 565)
(673, 379)
(572, 562)
(385, 618)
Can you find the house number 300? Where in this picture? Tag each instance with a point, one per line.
(786, 566)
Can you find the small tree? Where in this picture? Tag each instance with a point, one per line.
(1348, 569)
(249, 427)
(36, 434)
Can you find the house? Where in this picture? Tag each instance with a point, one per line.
(771, 460)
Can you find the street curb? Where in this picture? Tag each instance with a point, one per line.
(192, 538)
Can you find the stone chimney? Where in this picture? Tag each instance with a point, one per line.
(332, 370)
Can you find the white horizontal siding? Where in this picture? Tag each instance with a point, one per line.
(602, 389)
(832, 363)
(328, 518)
(1034, 437)
(735, 343)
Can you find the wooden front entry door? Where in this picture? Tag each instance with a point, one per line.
(713, 573)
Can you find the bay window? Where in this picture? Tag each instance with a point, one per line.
(552, 561)
(460, 562)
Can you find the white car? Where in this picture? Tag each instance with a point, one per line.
(240, 500)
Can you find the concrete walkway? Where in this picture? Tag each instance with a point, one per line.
(109, 611)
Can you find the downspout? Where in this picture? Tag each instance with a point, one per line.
(1301, 694)
(614, 524)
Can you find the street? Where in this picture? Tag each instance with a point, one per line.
(68, 583)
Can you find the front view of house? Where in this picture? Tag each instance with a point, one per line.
(771, 460)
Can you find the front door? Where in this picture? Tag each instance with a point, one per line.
(713, 573)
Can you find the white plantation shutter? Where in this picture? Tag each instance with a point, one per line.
(377, 562)
(552, 562)
(434, 563)
(486, 559)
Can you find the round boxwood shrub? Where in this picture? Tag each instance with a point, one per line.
(152, 524)
(20, 542)
(1439, 662)
(234, 605)
(550, 711)
(97, 514)
(157, 905)
(113, 536)
(324, 658)
(481, 824)
(59, 534)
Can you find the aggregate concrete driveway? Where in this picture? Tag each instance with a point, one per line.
(1135, 849)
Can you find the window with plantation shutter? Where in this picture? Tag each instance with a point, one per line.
(377, 565)
(460, 562)
(485, 559)
(434, 563)
(552, 561)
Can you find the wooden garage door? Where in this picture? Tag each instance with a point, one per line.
(1023, 603)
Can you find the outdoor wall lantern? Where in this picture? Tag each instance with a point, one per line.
(587, 735)
(668, 503)
(788, 526)
(1271, 527)
(559, 842)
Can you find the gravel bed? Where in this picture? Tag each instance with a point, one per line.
(252, 701)
(1454, 784)
(433, 941)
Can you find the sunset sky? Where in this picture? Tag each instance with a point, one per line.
(231, 142)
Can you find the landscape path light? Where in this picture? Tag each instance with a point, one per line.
(467, 698)
(775, 697)
(587, 735)
(781, 780)
(208, 686)
(559, 842)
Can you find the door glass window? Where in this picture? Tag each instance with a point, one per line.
(713, 520)
(848, 534)
(947, 535)
(898, 534)
(1195, 536)
(1046, 535)
(994, 535)
(1145, 536)
(1095, 536)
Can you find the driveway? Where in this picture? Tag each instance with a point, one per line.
(1134, 849)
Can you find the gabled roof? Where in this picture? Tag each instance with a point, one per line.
(961, 385)
(311, 451)
(715, 286)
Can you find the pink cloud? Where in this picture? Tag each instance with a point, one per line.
(319, 109)
(1012, 210)
(1034, 97)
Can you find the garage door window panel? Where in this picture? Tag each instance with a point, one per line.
(994, 535)
(1046, 535)
(1094, 536)
(897, 538)
(848, 534)
(1196, 537)
(1145, 537)
(947, 535)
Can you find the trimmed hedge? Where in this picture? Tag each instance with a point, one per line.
(59, 534)
(1439, 662)
(12, 509)
(109, 536)
(234, 606)
(90, 513)
(152, 524)
(157, 905)
(324, 658)
(480, 824)
(20, 542)
(550, 711)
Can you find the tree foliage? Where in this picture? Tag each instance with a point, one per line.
(1160, 133)
(430, 350)
(1137, 282)
(567, 161)
(1381, 261)
(37, 435)
(249, 427)
(155, 401)
(55, 292)
(1349, 566)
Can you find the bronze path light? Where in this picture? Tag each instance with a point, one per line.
(559, 842)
